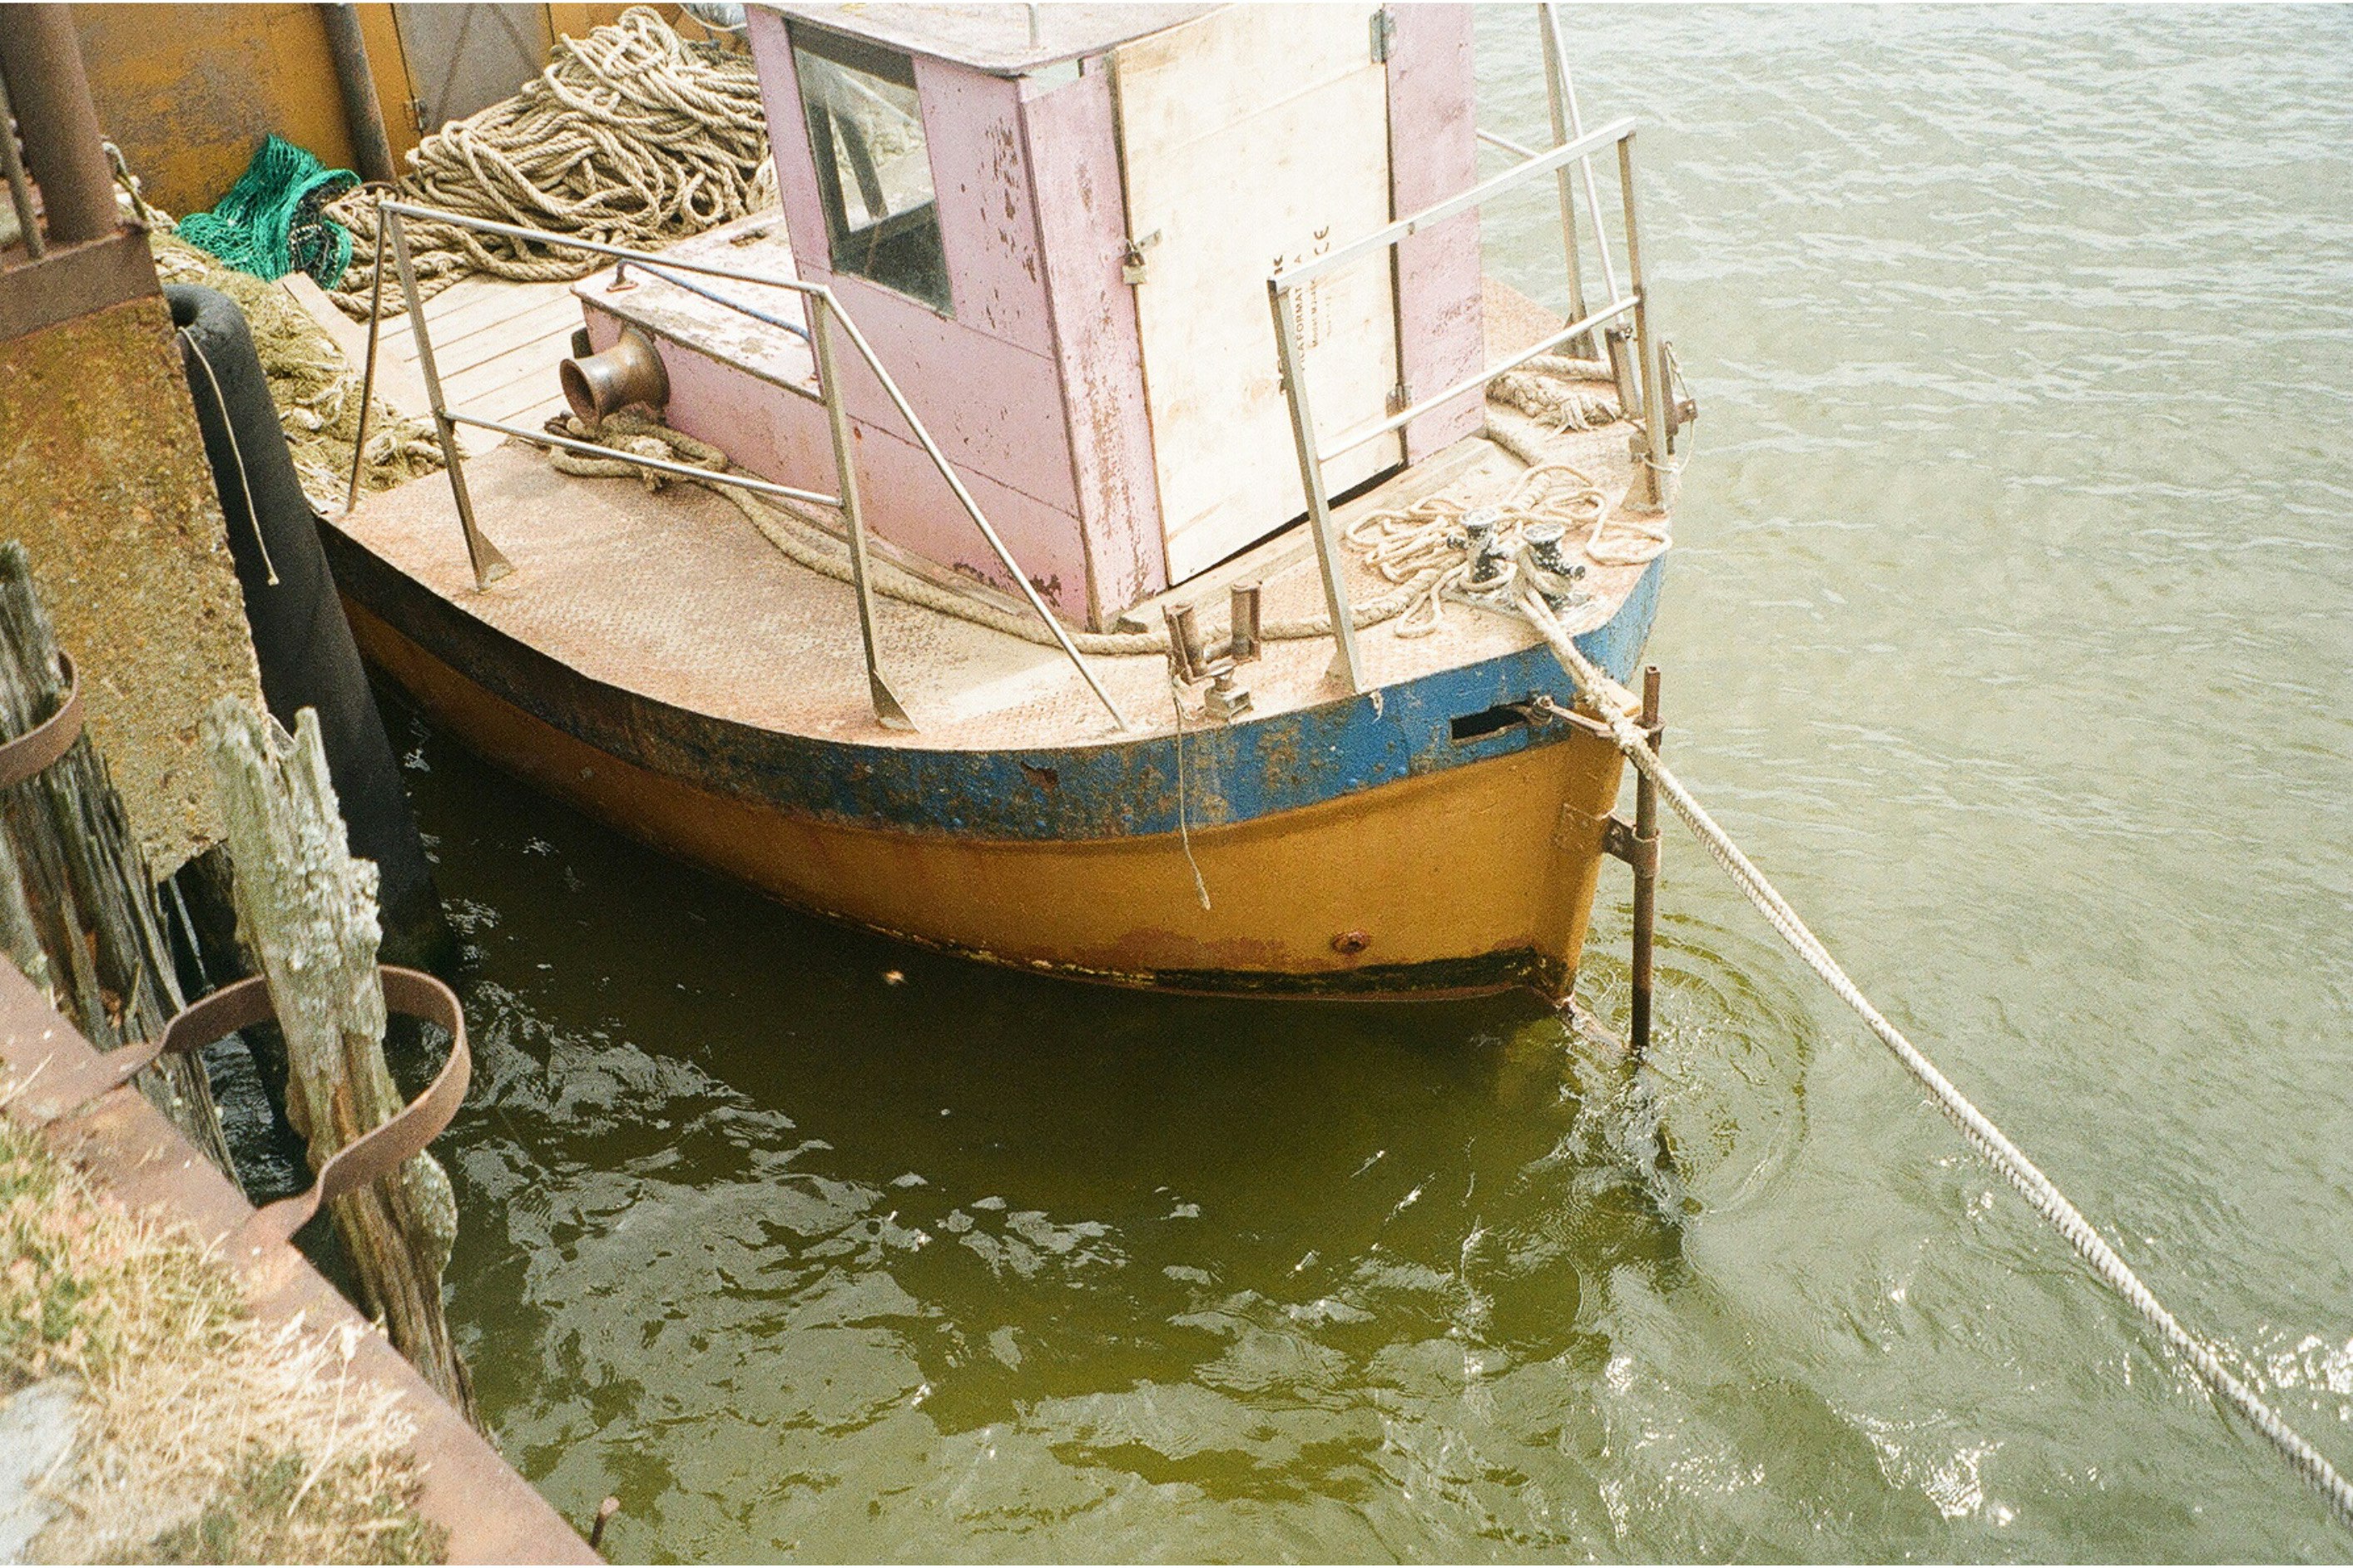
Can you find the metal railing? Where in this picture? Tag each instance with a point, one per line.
(1573, 147)
(826, 315)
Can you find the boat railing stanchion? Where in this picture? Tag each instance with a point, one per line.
(489, 565)
(367, 374)
(1567, 124)
(1313, 453)
(887, 710)
(1328, 559)
(979, 519)
(1563, 177)
(1650, 491)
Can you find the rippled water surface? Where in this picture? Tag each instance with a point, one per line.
(2009, 625)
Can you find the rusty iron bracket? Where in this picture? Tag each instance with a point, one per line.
(1621, 841)
(41, 747)
(373, 1154)
(1543, 710)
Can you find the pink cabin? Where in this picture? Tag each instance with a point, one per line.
(1055, 226)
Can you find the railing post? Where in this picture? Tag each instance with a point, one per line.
(1564, 180)
(980, 519)
(1328, 558)
(1564, 94)
(367, 376)
(1650, 490)
(489, 565)
(887, 710)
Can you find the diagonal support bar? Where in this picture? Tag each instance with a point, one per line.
(489, 564)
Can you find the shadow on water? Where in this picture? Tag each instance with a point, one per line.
(795, 1236)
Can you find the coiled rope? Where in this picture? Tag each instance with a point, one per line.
(630, 136)
(1605, 698)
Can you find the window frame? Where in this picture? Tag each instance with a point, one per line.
(843, 243)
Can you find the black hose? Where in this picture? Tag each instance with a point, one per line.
(301, 639)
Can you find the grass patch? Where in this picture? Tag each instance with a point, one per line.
(202, 1437)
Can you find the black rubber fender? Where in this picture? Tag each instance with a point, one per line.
(300, 638)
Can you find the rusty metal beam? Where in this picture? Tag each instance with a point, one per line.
(363, 116)
(76, 281)
(56, 122)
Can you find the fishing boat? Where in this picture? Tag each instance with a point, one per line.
(1130, 470)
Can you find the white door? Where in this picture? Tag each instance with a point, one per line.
(1252, 137)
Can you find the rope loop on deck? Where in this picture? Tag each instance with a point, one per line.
(1612, 703)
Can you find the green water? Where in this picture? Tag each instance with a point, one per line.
(2008, 627)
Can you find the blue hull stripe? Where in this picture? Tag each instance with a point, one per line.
(1233, 773)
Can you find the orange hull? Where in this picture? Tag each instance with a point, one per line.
(1476, 878)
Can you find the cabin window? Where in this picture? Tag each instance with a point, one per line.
(874, 170)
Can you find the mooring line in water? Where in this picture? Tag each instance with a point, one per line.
(1184, 820)
(2040, 1194)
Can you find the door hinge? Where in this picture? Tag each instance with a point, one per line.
(1384, 29)
(417, 113)
(1133, 265)
(1400, 398)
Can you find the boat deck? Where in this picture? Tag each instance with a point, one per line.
(496, 344)
(673, 595)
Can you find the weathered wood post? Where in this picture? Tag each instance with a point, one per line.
(306, 907)
(78, 910)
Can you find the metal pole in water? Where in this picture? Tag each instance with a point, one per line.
(1646, 866)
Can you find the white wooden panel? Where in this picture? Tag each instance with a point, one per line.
(1254, 136)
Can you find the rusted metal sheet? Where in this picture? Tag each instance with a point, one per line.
(103, 479)
(492, 1514)
(74, 280)
(1434, 151)
(189, 91)
(1071, 137)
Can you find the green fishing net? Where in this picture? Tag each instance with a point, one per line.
(272, 221)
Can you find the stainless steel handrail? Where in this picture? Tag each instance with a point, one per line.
(489, 564)
(1313, 452)
(1439, 211)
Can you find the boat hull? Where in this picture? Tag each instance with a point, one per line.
(1368, 849)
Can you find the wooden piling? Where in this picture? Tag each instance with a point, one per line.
(307, 909)
(78, 909)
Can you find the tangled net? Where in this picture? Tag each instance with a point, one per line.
(630, 136)
(316, 390)
(273, 219)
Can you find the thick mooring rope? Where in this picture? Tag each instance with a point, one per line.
(1610, 702)
(630, 136)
